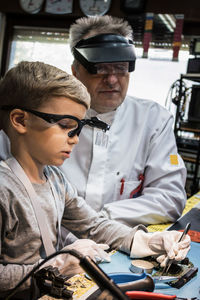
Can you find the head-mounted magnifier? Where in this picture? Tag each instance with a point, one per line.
(104, 48)
(64, 121)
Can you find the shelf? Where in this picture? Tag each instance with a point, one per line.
(188, 144)
(187, 151)
(191, 76)
(189, 129)
(189, 159)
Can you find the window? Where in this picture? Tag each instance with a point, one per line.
(49, 46)
(154, 76)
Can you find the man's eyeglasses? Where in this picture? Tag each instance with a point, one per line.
(64, 121)
(118, 68)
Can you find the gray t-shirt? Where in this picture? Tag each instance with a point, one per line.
(21, 245)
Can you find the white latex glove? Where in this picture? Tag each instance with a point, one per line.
(69, 265)
(164, 245)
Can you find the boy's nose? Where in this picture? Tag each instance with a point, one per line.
(73, 140)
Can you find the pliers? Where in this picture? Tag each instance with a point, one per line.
(153, 296)
(138, 282)
(127, 277)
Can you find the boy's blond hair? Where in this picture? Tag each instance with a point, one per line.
(31, 84)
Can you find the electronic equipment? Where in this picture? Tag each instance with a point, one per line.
(194, 107)
(193, 65)
(195, 47)
(51, 282)
(58, 281)
(185, 143)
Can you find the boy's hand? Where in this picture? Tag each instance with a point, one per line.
(69, 265)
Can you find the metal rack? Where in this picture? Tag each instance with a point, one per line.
(187, 136)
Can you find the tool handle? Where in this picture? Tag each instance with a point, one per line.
(101, 278)
(145, 284)
(149, 295)
(185, 232)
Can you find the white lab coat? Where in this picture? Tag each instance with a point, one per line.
(140, 141)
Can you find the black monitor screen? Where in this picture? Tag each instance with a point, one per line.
(195, 47)
(194, 107)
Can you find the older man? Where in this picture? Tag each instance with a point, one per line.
(132, 172)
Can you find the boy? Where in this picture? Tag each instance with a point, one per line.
(42, 112)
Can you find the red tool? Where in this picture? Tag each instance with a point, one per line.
(148, 295)
(151, 296)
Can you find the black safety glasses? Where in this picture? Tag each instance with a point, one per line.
(67, 122)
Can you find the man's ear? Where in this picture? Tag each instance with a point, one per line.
(18, 120)
(73, 70)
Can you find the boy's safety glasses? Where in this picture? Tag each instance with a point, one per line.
(64, 121)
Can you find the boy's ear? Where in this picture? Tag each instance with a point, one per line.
(18, 120)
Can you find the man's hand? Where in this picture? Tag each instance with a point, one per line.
(164, 245)
(168, 242)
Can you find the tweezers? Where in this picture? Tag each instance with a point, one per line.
(170, 261)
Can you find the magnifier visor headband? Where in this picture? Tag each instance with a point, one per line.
(104, 48)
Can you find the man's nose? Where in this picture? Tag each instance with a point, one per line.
(111, 79)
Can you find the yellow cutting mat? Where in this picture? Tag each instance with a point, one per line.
(190, 203)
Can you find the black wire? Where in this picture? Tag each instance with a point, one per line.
(175, 84)
(174, 97)
(70, 251)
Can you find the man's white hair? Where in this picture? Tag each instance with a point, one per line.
(90, 26)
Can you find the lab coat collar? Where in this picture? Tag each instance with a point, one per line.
(105, 117)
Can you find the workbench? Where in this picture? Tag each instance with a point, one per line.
(121, 262)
